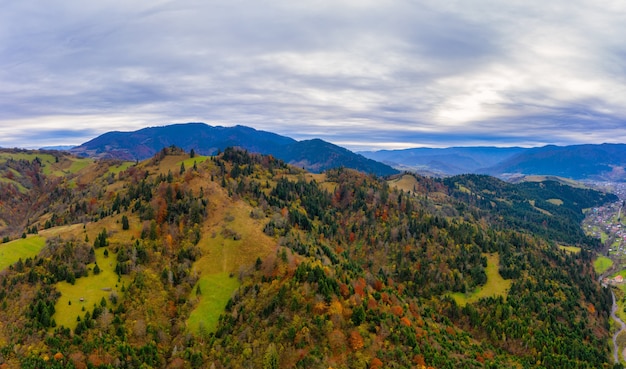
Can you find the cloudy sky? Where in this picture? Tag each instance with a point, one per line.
(363, 74)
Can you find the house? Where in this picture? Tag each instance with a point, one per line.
(618, 279)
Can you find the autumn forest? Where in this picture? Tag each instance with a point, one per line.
(239, 260)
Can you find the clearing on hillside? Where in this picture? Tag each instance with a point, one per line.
(406, 183)
(495, 286)
(570, 249)
(88, 291)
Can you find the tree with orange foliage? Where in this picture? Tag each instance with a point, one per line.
(397, 310)
(356, 340)
(359, 287)
(376, 363)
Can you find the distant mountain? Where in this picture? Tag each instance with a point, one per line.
(602, 162)
(204, 139)
(58, 148)
(448, 161)
(314, 155)
(580, 162)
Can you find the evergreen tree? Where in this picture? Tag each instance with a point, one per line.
(125, 225)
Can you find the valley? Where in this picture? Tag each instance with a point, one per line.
(606, 223)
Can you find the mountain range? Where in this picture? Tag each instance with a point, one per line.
(313, 155)
(579, 162)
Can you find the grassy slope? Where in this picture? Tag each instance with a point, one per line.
(495, 286)
(223, 257)
(23, 248)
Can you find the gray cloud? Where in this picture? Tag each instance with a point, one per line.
(364, 74)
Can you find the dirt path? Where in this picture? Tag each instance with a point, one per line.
(622, 325)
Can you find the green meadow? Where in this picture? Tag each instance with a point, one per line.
(196, 159)
(88, 291)
(215, 291)
(495, 286)
(602, 264)
(116, 169)
(22, 248)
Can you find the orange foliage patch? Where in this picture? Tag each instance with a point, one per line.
(397, 310)
(385, 298)
(372, 304)
(400, 289)
(419, 360)
(344, 290)
(335, 307)
(406, 322)
(337, 341)
(359, 287)
(376, 363)
(356, 341)
(419, 332)
(591, 308)
(378, 285)
(320, 308)
(480, 358)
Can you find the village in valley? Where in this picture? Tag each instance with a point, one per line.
(608, 223)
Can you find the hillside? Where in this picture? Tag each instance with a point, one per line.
(313, 155)
(241, 261)
(549, 208)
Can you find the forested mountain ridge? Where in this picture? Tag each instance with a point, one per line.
(339, 269)
(314, 155)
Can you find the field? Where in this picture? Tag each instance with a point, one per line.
(116, 169)
(495, 286)
(87, 291)
(542, 178)
(22, 248)
(216, 289)
(602, 264)
(571, 249)
(196, 159)
(555, 201)
(224, 257)
(405, 183)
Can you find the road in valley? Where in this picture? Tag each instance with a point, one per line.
(622, 328)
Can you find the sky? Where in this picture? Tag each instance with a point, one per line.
(362, 74)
